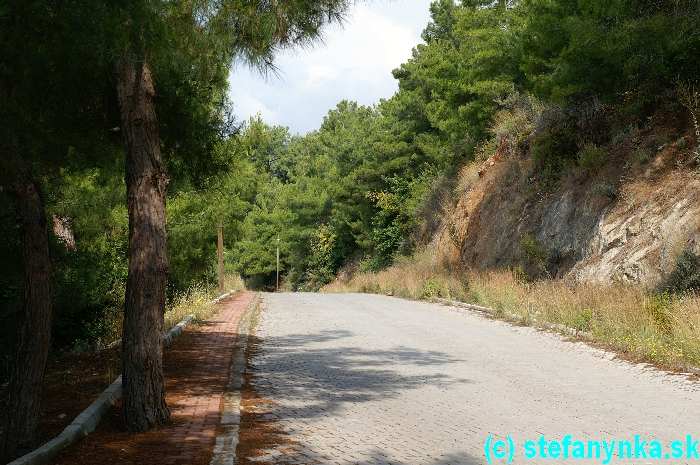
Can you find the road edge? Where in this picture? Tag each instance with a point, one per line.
(539, 324)
(230, 420)
(86, 422)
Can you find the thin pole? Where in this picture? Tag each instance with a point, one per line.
(220, 254)
(278, 264)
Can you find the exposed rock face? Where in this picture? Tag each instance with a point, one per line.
(639, 238)
(593, 229)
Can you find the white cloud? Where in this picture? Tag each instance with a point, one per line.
(250, 106)
(319, 74)
(353, 62)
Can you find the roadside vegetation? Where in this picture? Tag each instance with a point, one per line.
(658, 327)
(120, 158)
(123, 106)
(493, 81)
(198, 301)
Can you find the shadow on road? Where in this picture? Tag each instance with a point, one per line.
(290, 381)
(325, 378)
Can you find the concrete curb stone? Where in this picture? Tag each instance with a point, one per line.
(86, 422)
(492, 313)
(227, 440)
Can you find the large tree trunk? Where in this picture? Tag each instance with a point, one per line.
(146, 181)
(22, 417)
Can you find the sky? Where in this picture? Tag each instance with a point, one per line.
(354, 62)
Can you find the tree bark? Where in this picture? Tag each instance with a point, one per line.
(146, 182)
(34, 337)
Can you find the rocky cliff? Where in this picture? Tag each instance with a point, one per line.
(625, 221)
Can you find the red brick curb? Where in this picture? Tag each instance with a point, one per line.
(196, 374)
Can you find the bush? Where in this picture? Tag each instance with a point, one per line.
(324, 259)
(591, 157)
(554, 148)
(659, 308)
(643, 155)
(625, 134)
(583, 320)
(516, 122)
(604, 189)
(535, 256)
(686, 275)
(434, 288)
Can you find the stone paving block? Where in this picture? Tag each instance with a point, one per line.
(372, 380)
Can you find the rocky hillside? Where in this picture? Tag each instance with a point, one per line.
(625, 215)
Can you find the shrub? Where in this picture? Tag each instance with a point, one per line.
(371, 264)
(627, 133)
(604, 189)
(516, 122)
(591, 157)
(554, 148)
(659, 307)
(686, 275)
(535, 255)
(689, 96)
(323, 259)
(583, 320)
(433, 288)
(643, 155)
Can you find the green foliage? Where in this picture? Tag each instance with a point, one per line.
(324, 259)
(195, 213)
(659, 306)
(89, 277)
(517, 120)
(583, 320)
(60, 124)
(448, 90)
(643, 155)
(685, 276)
(532, 75)
(681, 143)
(573, 49)
(591, 157)
(535, 256)
(554, 150)
(432, 288)
(604, 189)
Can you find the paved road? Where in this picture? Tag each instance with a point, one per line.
(358, 379)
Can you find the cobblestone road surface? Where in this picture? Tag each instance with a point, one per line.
(359, 379)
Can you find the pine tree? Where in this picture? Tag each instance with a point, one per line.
(251, 30)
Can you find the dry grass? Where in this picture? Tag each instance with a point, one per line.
(661, 329)
(421, 278)
(197, 301)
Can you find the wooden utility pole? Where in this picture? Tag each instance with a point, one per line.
(278, 264)
(220, 254)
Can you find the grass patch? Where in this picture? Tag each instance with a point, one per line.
(592, 158)
(663, 329)
(197, 301)
(426, 280)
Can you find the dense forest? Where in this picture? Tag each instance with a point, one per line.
(120, 155)
(556, 80)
